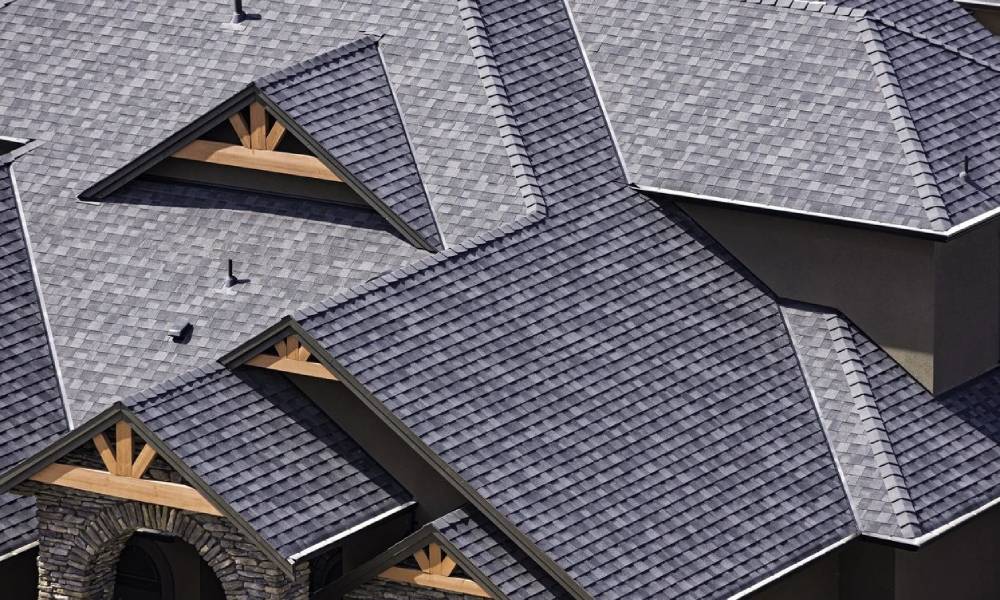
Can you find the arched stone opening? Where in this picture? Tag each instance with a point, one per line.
(105, 537)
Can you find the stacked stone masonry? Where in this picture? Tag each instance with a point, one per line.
(81, 536)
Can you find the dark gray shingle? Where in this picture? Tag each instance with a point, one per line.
(344, 101)
(270, 453)
(605, 376)
(30, 402)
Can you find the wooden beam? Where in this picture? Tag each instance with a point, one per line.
(107, 456)
(288, 365)
(434, 559)
(162, 493)
(142, 462)
(123, 448)
(287, 163)
(274, 136)
(240, 127)
(433, 580)
(258, 126)
(447, 566)
(421, 557)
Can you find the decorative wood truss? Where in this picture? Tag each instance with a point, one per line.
(123, 478)
(435, 572)
(290, 356)
(257, 149)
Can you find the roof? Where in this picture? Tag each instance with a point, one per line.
(100, 83)
(607, 377)
(271, 453)
(344, 101)
(913, 463)
(31, 402)
(496, 556)
(833, 110)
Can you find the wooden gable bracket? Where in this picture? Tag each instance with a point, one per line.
(435, 572)
(257, 149)
(123, 478)
(292, 357)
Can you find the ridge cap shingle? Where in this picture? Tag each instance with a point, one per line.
(925, 180)
(874, 427)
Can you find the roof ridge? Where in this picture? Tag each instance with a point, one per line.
(864, 402)
(524, 174)
(496, 93)
(327, 55)
(934, 41)
(812, 6)
(926, 183)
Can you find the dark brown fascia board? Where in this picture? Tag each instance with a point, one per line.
(289, 324)
(345, 175)
(107, 418)
(399, 551)
(167, 147)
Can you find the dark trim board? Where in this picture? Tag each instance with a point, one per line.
(288, 323)
(398, 552)
(117, 412)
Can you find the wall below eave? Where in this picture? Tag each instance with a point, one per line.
(933, 306)
(989, 17)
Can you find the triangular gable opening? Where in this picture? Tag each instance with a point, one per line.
(289, 355)
(124, 474)
(432, 567)
(326, 129)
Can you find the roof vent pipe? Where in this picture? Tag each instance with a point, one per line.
(239, 15)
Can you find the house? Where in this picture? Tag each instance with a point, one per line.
(500, 299)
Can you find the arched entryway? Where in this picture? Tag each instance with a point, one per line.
(159, 567)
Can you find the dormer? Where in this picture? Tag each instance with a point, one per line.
(326, 129)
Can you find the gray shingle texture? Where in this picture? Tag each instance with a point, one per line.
(102, 82)
(606, 376)
(31, 404)
(270, 453)
(832, 110)
(937, 456)
(496, 557)
(343, 99)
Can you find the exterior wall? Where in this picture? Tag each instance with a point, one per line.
(819, 580)
(81, 536)
(961, 565)
(378, 589)
(990, 17)
(933, 306)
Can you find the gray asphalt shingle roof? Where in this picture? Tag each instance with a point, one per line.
(31, 404)
(916, 462)
(832, 109)
(344, 101)
(270, 453)
(102, 82)
(496, 557)
(606, 376)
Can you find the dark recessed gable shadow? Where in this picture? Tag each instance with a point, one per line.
(195, 196)
(297, 407)
(977, 404)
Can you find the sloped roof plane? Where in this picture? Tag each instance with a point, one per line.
(340, 104)
(32, 401)
(832, 110)
(256, 448)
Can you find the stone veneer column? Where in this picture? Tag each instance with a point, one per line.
(81, 537)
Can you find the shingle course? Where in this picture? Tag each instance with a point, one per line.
(344, 101)
(31, 402)
(606, 376)
(102, 82)
(270, 453)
